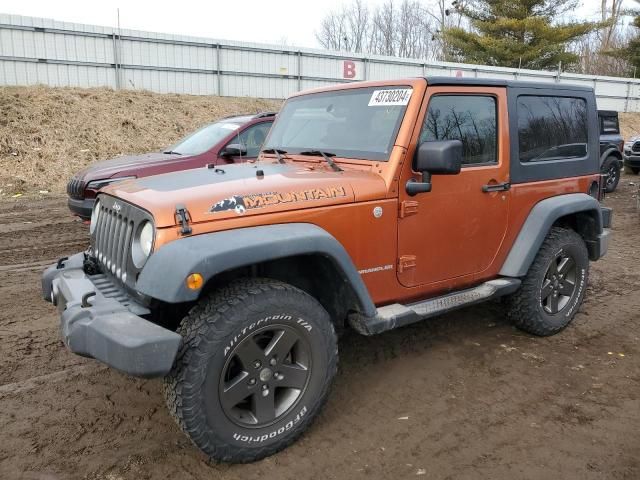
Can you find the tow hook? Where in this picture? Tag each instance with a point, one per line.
(85, 299)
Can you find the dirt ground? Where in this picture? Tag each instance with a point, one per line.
(465, 396)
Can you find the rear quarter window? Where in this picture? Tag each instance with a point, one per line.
(551, 128)
(609, 124)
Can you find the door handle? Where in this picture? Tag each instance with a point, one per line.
(496, 187)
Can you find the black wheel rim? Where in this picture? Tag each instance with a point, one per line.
(264, 376)
(612, 175)
(559, 284)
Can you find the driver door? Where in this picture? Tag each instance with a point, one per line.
(450, 236)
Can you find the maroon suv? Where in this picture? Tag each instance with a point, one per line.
(230, 140)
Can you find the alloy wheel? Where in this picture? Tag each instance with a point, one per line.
(559, 284)
(264, 376)
(612, 176)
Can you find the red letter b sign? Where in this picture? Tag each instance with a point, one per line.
(349, 69)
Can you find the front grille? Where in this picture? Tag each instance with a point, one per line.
(75, 188)
(636, 147)
(112, 238)
(113, 241)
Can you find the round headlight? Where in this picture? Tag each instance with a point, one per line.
(146, 238)
(94, 217)
(142, 244)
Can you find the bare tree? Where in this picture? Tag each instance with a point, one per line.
(403, 28)
(358, 26)
(345, 29)
(593, 48)
(332, 34)
(383, 34)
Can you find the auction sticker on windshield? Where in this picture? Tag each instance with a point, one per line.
(398, 96)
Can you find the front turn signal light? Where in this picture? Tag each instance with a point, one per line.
(195, 281)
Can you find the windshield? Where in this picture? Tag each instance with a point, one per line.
(357, 123)
(204, 139)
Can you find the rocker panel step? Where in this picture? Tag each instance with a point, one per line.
(397, 315)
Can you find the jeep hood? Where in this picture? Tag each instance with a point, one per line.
(239, 190)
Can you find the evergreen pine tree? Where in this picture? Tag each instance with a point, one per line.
(516, 33)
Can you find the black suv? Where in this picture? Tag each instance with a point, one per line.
(611, 145)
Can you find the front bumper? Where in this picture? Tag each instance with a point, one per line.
(81, 207)
(631, 160)
(599, 246)
(101, 321)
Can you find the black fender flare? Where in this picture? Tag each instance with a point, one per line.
(163, 276)
(537, 225)
(612, 151)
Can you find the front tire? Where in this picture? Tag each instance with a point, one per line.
(254, 369)
(553, 289)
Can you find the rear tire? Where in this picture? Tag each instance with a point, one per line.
(634, 170)
(611, 168)
(554, 287)
(254, 369)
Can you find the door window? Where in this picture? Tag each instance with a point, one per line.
(253, 138)
(472, 119)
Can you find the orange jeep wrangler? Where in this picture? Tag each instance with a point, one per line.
(372, 205)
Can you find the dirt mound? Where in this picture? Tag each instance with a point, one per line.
(629, 124)
(47, 134)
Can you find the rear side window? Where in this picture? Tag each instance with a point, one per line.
(551, 128)
(468, 118)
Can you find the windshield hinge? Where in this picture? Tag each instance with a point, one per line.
(408, 207)
(182, 217)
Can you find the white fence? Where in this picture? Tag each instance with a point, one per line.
(44, 51)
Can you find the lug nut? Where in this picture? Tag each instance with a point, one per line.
(257, 364)
(252, 381)
(272, 362)
(265, 392)
(264, 387)
(279, 376)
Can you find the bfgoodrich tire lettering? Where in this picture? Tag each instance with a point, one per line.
(230, 342)
(553, 289)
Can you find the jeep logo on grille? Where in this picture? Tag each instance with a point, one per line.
(116, 206)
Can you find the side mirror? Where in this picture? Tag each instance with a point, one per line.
(441, 157)
(234, 150)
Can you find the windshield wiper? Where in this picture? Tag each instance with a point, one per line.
(172, 152)
(326, 155)
(278, 153)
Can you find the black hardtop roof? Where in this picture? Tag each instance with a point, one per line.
(499, 82)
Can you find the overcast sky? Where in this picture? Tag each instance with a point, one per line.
(266, 21)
